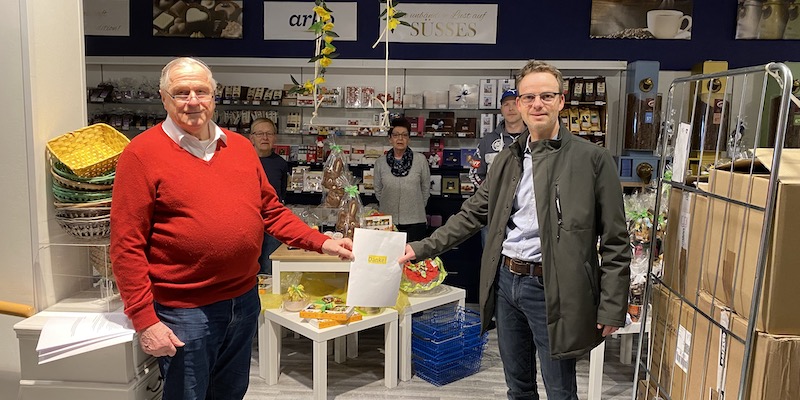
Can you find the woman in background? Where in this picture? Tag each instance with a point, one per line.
(402, 183)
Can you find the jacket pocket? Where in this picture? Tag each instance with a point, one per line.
(590, 275)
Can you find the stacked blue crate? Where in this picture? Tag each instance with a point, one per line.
(446, 344)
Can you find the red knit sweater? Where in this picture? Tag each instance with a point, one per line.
(187, 232)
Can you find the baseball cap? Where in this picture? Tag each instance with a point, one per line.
(508, 93)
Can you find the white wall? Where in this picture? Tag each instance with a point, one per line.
(43, 73)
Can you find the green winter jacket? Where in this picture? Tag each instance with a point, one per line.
(581, 289)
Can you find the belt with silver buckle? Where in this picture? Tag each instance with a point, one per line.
(520, 267)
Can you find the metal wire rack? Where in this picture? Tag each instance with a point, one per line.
(724, 133)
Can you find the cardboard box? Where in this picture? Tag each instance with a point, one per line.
(742, 235)
(687, 249)
(672, 329)
(722, 357)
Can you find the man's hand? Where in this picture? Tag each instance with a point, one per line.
(408, 256)
(607, 330)
(341, 248)
(158, 340)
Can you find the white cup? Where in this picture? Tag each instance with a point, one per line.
(666, 24)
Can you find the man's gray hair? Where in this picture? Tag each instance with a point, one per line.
(165, 80)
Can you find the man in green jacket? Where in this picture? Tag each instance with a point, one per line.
(552, 203)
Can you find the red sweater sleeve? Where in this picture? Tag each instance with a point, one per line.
(131, 218)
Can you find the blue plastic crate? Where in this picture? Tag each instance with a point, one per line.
(439, 323)
(450, 349)
(443, 374)
(438, 360)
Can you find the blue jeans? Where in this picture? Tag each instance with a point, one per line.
(522, 333)
(215, 362)
(268, 247)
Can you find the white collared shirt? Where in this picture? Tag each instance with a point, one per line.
(200, 149)
(523, 241)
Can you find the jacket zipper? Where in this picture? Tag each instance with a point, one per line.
(558, 213)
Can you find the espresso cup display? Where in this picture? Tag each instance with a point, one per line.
(667, 24)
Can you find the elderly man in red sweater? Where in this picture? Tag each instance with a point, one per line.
(191, 205)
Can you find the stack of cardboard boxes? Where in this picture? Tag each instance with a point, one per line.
(710, 258)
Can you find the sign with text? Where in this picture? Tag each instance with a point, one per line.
(447, 23)
(290, 20)
(106, 17)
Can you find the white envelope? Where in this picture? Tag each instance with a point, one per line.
(374, 279)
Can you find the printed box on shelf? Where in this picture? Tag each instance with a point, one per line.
(488, 94)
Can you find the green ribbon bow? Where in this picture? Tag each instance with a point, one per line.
(335, 148)
(351, 190)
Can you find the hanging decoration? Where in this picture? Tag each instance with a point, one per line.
(393, 19)
(324, 54)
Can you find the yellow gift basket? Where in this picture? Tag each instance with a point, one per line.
(89, 152)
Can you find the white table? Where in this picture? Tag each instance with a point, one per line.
(444, 294)
(297, 260)
(285, 260)
(320, 337)
(597, 356)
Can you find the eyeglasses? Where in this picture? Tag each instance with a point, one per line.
(400, 136)
(545, 97)
(184, 97)
(263, 133)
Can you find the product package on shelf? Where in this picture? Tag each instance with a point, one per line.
(413, 100)
(435, 99)
(331, 97)
(487, 124)
(450, 185)
(312, 181)
(468, 157)
(368, 179)
(368, 97)
(465, 127)
(488, 94)
(466, 185)
(378, 222)
(463, 96)
(440, 123)
(436, 185)
(452, 158)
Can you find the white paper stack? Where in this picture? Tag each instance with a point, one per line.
(77, 333)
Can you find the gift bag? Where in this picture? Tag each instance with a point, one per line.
(374, 279)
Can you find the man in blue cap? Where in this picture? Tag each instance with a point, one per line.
(491, 144)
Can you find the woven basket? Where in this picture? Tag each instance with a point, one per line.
(91, 151)
(88, 204)
(100, 260)
(64, 172)
(74, 196)
(86, 229)
(83, 212)
(70, 184)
